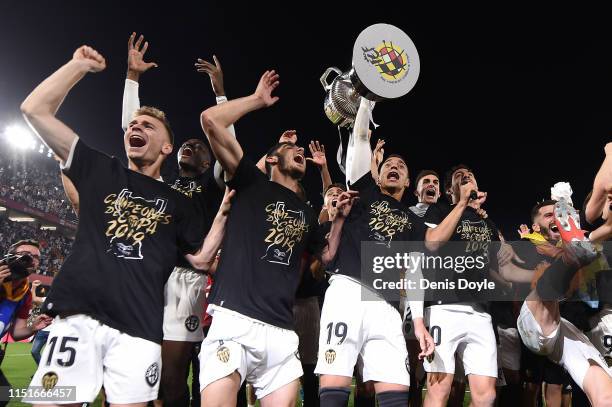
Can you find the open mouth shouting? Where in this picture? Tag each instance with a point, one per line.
(393, 176)
(187, 152)
(553, 228)
(430, 192)
(299, 158)
(137, 141)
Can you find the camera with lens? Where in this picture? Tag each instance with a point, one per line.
(18, 264)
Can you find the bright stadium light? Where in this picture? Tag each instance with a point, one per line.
(46, 227)
(2, 209)
(20, 218)
(18, 136)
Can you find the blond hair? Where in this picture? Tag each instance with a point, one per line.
(159, 115)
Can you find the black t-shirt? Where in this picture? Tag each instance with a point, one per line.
(267, 231)
(476, 235)
(375, 217)
(205, 193)
(131, 228)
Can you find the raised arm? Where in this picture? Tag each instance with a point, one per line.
(136, 67)
(215, 73)
(216, 119)
(601, 186)
(377, 157)
(205, 257)
(359, 153)
(344, 205)
(434, 237)
(40, 107)
(318, 158)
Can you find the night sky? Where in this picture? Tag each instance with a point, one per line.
(525, 100)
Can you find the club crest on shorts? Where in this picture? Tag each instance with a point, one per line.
(223, 354)
(192, 323)
(152, 374)
(330, 356)
(49, 380)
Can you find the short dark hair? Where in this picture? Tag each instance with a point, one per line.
(393, 156)
(424, 173)
(271, 152)
(448, 177)
(334, 185)
(23, 242)
(536, 209)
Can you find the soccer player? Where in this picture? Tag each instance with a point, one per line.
(462, 325)
(184, 291)
(251, 337)
(544, 331)
(370, 331)
(108, 297)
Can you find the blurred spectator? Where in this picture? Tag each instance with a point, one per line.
(54, 247)
(34, 180)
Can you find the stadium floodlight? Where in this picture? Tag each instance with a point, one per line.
(47, 227)
(19, 218)
(2, 209)
(18, 136)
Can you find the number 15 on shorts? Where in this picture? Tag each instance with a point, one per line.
(61, 351)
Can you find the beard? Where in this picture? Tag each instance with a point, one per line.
(293, 172)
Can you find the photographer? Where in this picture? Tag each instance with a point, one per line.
(22, 260)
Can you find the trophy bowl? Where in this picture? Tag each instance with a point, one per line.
(386, 65)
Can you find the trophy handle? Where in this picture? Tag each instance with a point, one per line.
(325, 75)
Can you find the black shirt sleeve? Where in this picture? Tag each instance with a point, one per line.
(246, 174)
(363, 184)
(436, 213)
(86, 164)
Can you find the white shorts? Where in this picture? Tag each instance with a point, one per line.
(466, 331)
(265, 355)
(510, 348)
(184, 298)
(84, 353)
(353, 328)
(307, 317)
(566, 346)
(601, 335)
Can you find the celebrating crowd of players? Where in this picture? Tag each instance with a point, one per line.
(129, 300)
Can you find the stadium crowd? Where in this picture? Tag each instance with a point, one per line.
(54, 247)
(36, 184)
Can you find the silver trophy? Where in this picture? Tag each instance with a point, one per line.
(385, 66)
